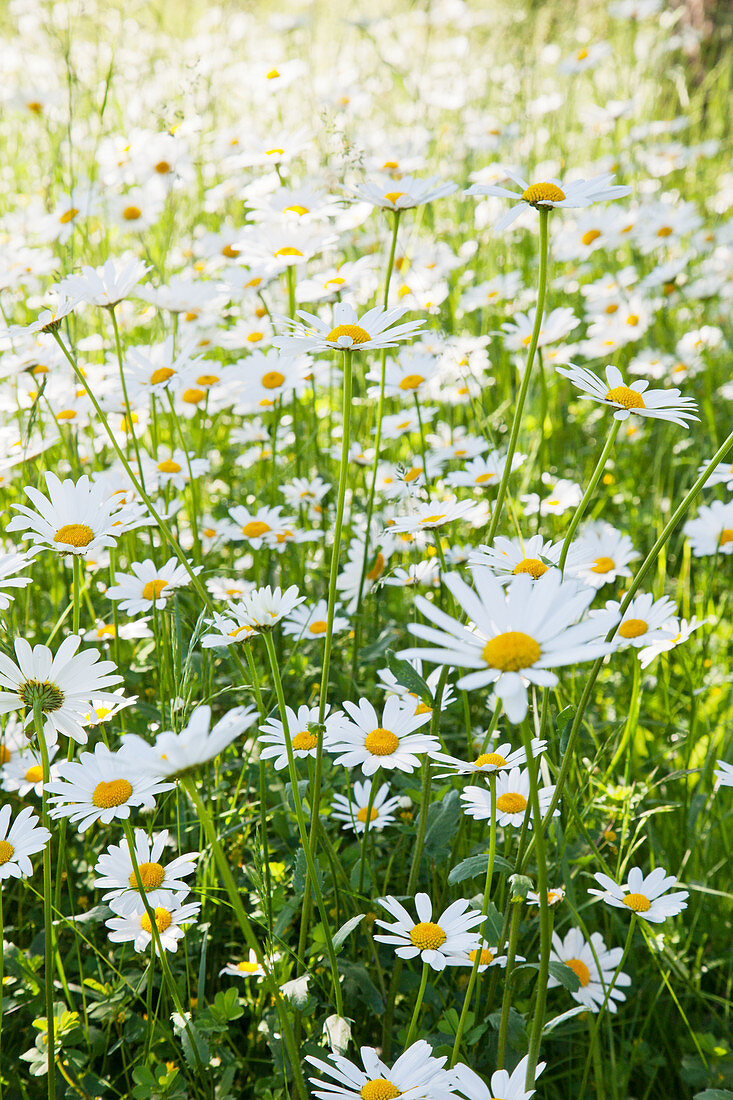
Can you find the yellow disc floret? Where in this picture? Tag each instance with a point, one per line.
(633, 628)
(74, 534)
(153, 589)
(6, 851)
(320, 626)
(411, 381)
(381, 742)
(489, 758)
(114, 792)
(304, 741)
(579, 968)
(543, 192)
(163, 920)
(603, 565)
(533, 566)
(272, 379)
(358, 334)
(362, 815)
(638, 903)
(511, 651)
(511, 803)
(255, 528)
(379, 1090)
(151, 875)
(169, 467)
(34, 774)
(625, 396)
(427, 936)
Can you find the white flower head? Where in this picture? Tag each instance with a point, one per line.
(19, 841)
(644, 895)
(175, 754)
(117, 875)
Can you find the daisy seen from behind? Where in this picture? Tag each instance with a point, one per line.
(645, 895)
(175, 754)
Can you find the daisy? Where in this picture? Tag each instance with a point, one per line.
(508, 557)
(19, 841)
(262, 609)
(377, 328)
(106, 285)
(302, 730)
(10, 564)
(643, 622)
(416, 1075)
(512, 800)
(247, 968)
(636, 398)
(23, 773)
(391, 685)
(681, 631)
(489, 957)
(268, 376)
(711, 531)
(498, 758)
(554, 896)
(117, 875)
(149, 586)
(724, 777)
(64, 685)
(175, 754)
(263, 527)
(433, 941)
(354, 811)
(518, 634)
(558, 324)
(77, 519)
(484, 472)
(408, 375)
(607, 552)
(311, 623)
(721, 475)
(404, 194)
(594, 966)
(102, 786)
(503, 1085)
(390, 742)
(563, 494)
(136, 927)
(427, 516)
(643, 895)
(549, 194)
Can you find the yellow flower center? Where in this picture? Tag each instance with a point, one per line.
(481, 479)
(358, 334)
(320, 626)
(69, 215)
(162, 168)
(632, 319)
(511, 651)
(487, 956)
(624, 395)
(362, 815)
(132, 213)
(665, 231)
(34, 774)
(114, 792)
(255, 528)
(288, 250)
(66, 414)
(581, 55)
(169, 467)
(272, 379)
(511, 803)
(163, 920)
(5, 754)
(193, 396)
(637, 903)
(230, 252)
(423, 708)
(162, 374)
(533, 566)
(377, 569)
(413, 473)
(393, 196)
(489, 758)
(543, 192)
(427, 936)
(151, 874)
(578, 967)
(432, 519)
(153, 589)
(6, 853)
(381, 742)
(304, 741)
(74, 534)
(633, 628)
(411, 381)
(255, 337)
(726, 536)
(247, 967)
(207, 379)
(379, 1090)
(297, 209)
(603, 565)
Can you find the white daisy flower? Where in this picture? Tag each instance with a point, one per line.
(23, 773)
(64, 684)
(174, 754)
(259, 528)
(681, 628)
(518, 634)
(117, 875)
(303, 739)
(504, 1086)
(391, 742)
(721, 475)
(136, 927)
(48, 320)
(554, 896)
(416, 1075)
(311, 623)
(484, 472)
(247, 968)
(19, 841)
(550, 193)
(489, 957)
(594, 966)
(512, 800)
(102, 786)
(508, 557)
(497, 758)
(724, 775)
(404, 194)
(426, 516)
(405, 376)
(644, 895)
(644, 621)
(558, 324)
(263, 608)
(149, 586)
(10, 565)
(106, 285)
(377, 328)
(711, 531)
(433, 941)
(636, 398)
(354, 811)
(389, 682)
(607, 552)
(75, 518)
(563, 494)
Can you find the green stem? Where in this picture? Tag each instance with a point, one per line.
(126, 399)
(633, 715)
(519, 408)
(367, 823)
(601, 1010)
(595, 478)
(507, 997)
(48, 936)
(418, 1005)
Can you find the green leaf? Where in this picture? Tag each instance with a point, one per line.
(443, 819)
(189, 1035)
(345, 930)
(556, 1020)
(473, 866)
(405, 675)
(714, 1094)
(226, 1006)
(560, 971)
(358, 985)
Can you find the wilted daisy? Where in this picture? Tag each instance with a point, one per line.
(175, 754)
(377, 328)
(711, 531)
(512, 800)
(497, 758)
(644, 895)
(416, 1075)
(303, 738)
(136, 927)
(64, 685)
(355, 810)
(636, 398)
(247, 968)
(19, 841)
(403, 194)
(149, 586)
(75, 518)
(368, 742)
(504, 1086)
(102, 786)
(550, 193)
(433, 941)
(593, 965)
(117, 875)
(518, 634)
(311, 623)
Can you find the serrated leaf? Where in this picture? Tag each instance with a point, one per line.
(189, 1034)
(473, 866)
(406, 675)
(345, 930)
